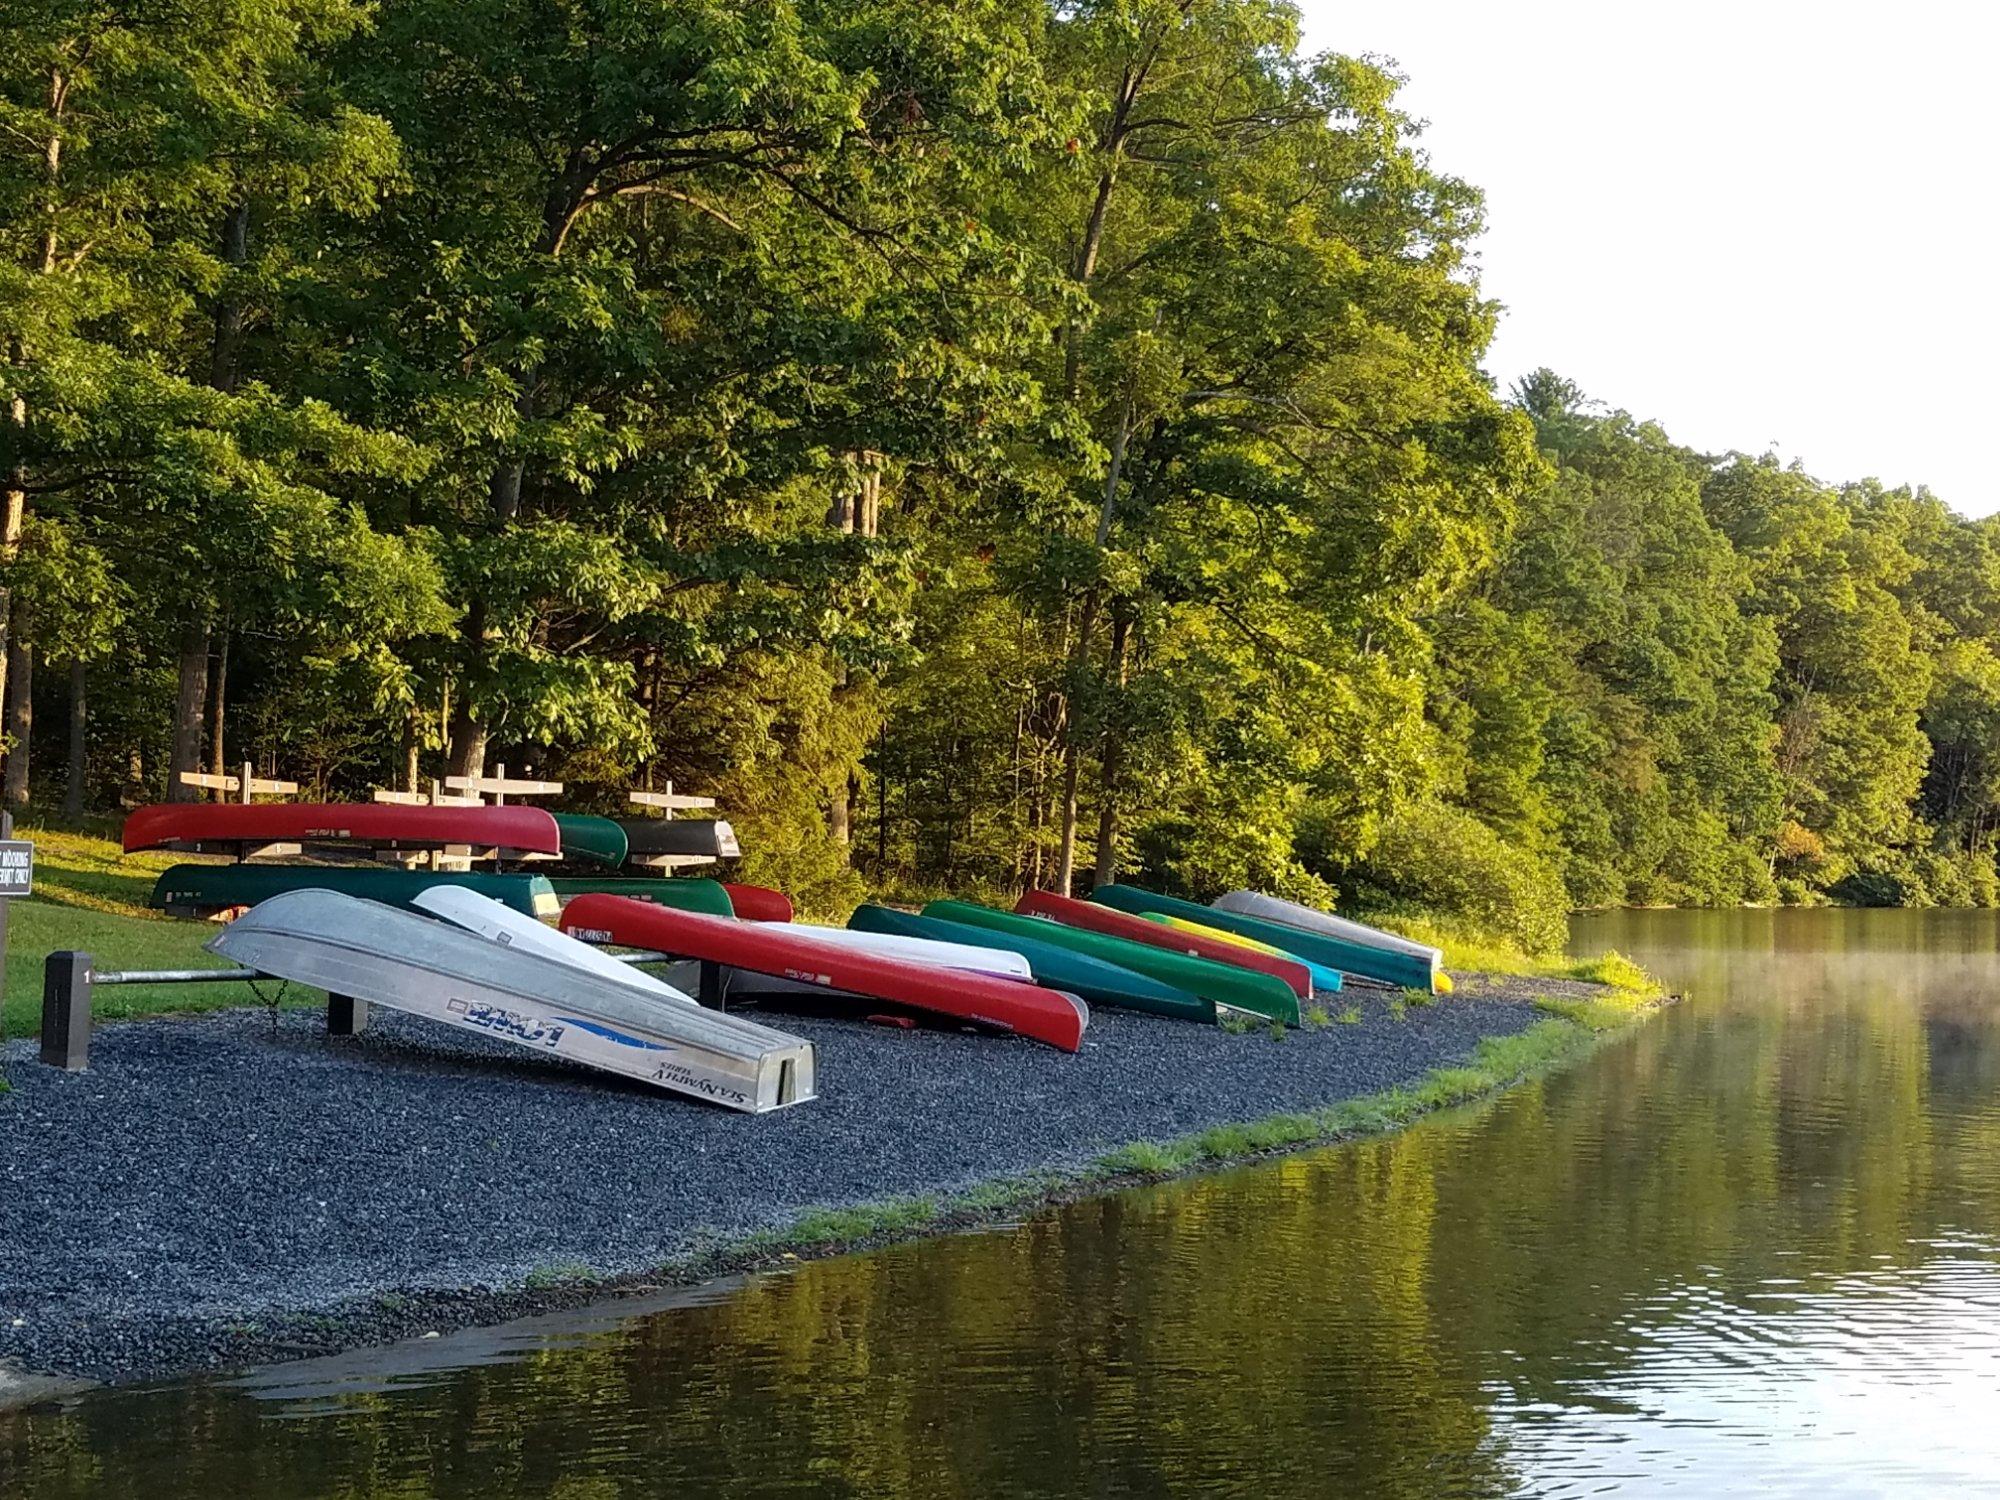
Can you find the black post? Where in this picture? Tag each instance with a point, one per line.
(65, 1010)
(712, 990)
(345, 1015)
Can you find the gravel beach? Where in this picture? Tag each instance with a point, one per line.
(219, 1190)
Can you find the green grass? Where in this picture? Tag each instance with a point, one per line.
(1350, 1016)
(90, 895)
(1488, 955)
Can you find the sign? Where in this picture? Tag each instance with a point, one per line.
(17, 867)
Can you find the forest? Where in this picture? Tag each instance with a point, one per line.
(1000, 443)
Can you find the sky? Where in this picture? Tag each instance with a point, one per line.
(1768, 226)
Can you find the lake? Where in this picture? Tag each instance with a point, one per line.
(1752, 1247)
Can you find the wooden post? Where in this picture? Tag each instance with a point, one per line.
(246, 779)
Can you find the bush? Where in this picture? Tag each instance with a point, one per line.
(1444, 863)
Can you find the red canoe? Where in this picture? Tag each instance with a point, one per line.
(377, 825)
(766, 948)
(759, 903)
(1095, 918)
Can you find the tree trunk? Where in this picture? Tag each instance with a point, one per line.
(232, 314)
(1066, 847)
(79, 750)
(218, 690)
(20, 717)
(412, 747)
(188, 712)
(14, 497)
(467, 756)
(1112, 765)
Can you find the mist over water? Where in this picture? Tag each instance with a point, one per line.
(1753, 1247)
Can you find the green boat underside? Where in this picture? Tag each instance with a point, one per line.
(199, 890)
(705, 896)
(1221, 984)
(1380, 964)
(1094, 979)
(588, 840)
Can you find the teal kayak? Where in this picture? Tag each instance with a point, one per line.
(705, 896)
(1380, 964)
(202, 890)
(1054, 966)
(1221, 984)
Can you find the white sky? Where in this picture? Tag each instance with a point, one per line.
(1764, 224)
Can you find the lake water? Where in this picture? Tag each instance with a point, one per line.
(1751, 1248)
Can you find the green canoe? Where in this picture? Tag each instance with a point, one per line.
(1221, 984)
(593, 841)
(1380, 964)
(199, 890)
(1054, 966)
(705, 896)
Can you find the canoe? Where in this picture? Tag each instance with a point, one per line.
(232, 827)
(1292, 914)
(385, 956)
(767, 948)
(500, 924)
(1219, 984)
(689, 838)
(931, 952)
(758, 903)
(1059, 968)
(707, 896)
(592, 841)
(1378, 964)
(1323, 978)
(202, 890)
(1094, 918)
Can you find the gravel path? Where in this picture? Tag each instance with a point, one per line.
(211, 1179)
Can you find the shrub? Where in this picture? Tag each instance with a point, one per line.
(1443, 862)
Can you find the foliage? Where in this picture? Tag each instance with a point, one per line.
(984, 445)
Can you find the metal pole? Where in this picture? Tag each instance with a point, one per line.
(246, 780)
(66, 1010)
(345, 1015)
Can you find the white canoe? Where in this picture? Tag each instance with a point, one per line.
(513, 929)
(940, 955)
(1306, 919)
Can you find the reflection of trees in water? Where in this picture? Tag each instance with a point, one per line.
(1295, 1328)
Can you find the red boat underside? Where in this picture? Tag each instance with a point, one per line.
(766, 948)
(759, 903)
(1095, 918)
(375, 825)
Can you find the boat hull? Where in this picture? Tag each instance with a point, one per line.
(202, 890)
(232, 827)
(411, 963)
(683, 894)
(1094, 918)
(1220, 984)
(767, 948)
(1098, 982)
(1378, 964)
(1326, 924)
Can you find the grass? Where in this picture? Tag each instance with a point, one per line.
(1350, 1016)
(1489, 955)
(89, 895)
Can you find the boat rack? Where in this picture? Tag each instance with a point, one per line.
(69, 978)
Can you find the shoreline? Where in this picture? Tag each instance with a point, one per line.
(188, 1275)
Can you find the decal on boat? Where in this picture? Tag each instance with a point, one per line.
(499, 1019)
(611, 1034)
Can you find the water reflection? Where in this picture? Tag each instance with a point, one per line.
(1748, 1249)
